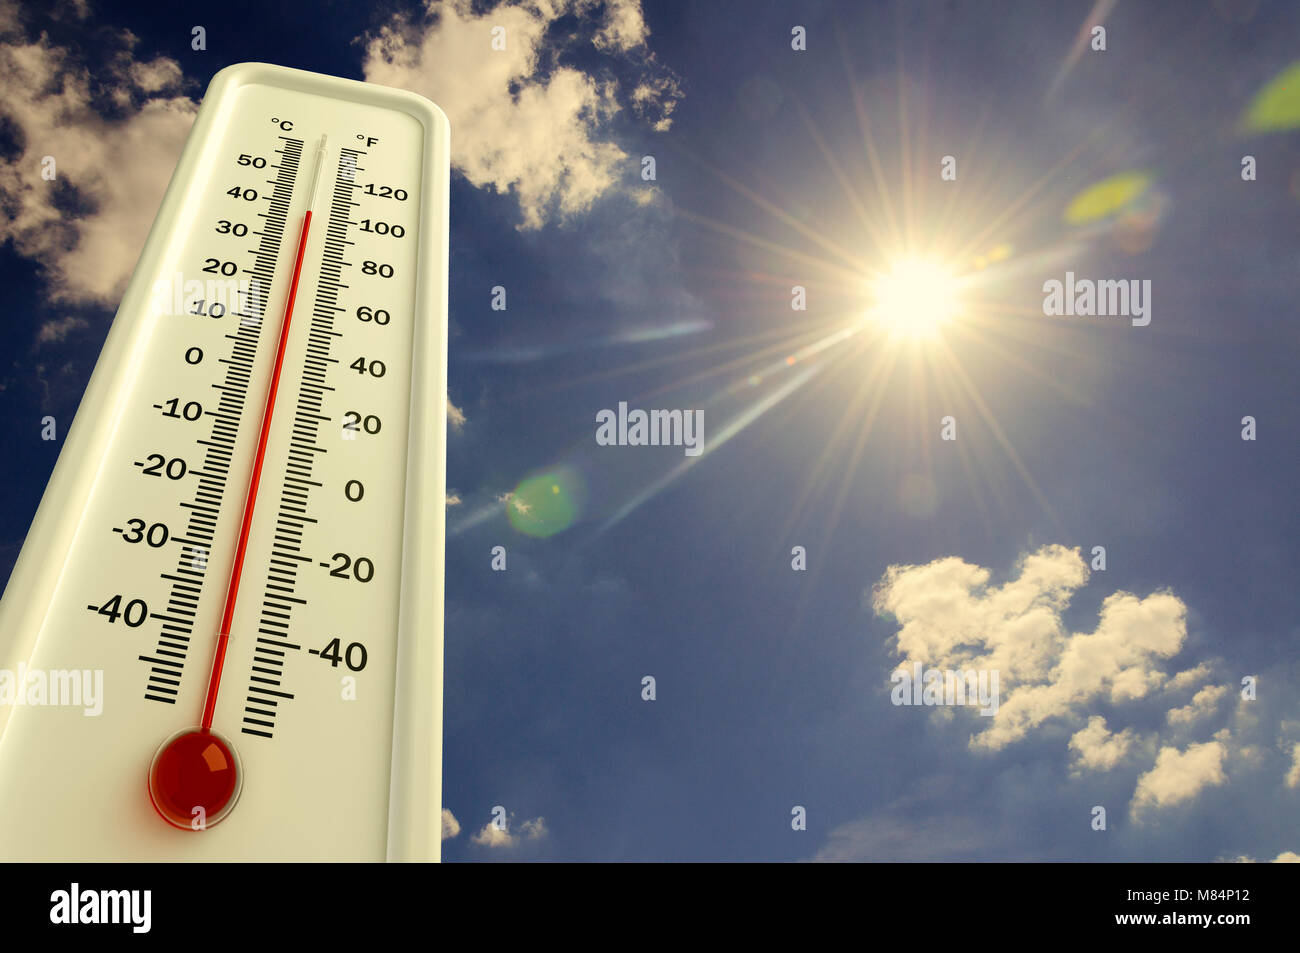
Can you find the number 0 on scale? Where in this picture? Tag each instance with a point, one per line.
(223, 637)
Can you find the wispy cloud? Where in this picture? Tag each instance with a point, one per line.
(57, 329)
(1293, 775)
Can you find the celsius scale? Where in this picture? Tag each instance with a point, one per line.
(223, 636)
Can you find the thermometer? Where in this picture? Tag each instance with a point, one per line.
(222, 639)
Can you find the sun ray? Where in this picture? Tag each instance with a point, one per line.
(873, 154)
(991, 422)
(767, 245)
(778, 213)
(874, 232)
(872, 388)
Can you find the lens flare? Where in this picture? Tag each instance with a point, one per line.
(547, 503)
(915, 299)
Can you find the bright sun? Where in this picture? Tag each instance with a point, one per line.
(914, 299)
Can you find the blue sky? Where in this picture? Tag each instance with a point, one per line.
(773, 685)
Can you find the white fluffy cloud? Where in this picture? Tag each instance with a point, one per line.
(521, 123)
(1286, 857)
(1203, 703)
(117, 167)
(450, 826)
(1179, 776)
(1293, 776)
(493, 836)
(455, 416)
(1096, 748)
(951, 618)
(1190, 678)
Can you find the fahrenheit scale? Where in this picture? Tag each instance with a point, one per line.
(223, 636)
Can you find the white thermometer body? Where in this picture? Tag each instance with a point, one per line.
(241, 466)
